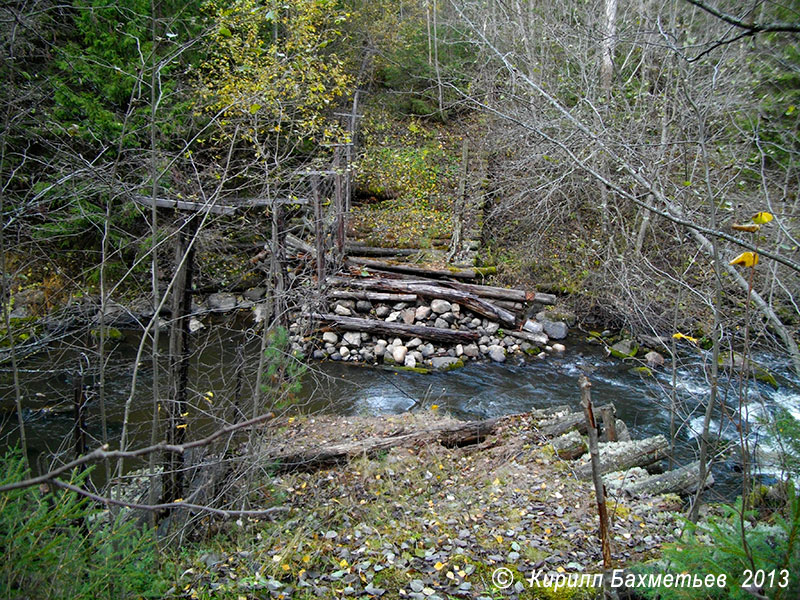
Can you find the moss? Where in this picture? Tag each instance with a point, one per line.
(422, 370)
(112, 333)
(643, 371)
(533, 351)
(734, 360)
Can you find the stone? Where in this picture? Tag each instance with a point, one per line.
(221, 302)
(353, 338)
(254, 294)
(654, 359)
(342, 310)
(624, 349)
(492, 328)
(336, 356)
(559, 348)
(497, 354)
(392, 318)
(533, 326)
(408, 315)
(344, 351)
(319, 354)
(427, 350)
(422, 313)
(351, 304)
(363, 306)
(440, 306)
(476, 322)
(455, 307)
(555, 329)
(472, 351)
(441, 323)
(382, 311)
(399, 354)
(380, 347)
(459, 350)
(449, 317)
(444, 362)
(195, 324)
(329, 337)
(410, 361)
(415, 343)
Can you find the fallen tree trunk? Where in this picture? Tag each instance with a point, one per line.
(431, 290)
(436, 334)
(679, 481)
(424, 272)
(372, 296)
(313, 458)
(569, 446)
(619, 456)
(562, 424)
(359, 250)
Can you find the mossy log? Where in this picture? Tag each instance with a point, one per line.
(569, 446)
(397, 267)
(561, 424)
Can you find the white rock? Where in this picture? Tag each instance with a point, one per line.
(497, 353)
(353, 338)
(422, 313)
(410, 361)
(195, 324)
(329, 337)
(559, 348)
(416, 342)
(393, 316)
(342, 311)
(440, 306)
(399, 354)
(344, 351)
(459, 350)
(533, 326)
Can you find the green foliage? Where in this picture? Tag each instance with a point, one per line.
(58, 546)
(715, 546)
(284, 369)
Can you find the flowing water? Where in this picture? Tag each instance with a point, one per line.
(480, 390)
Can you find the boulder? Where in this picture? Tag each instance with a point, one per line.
(624, 349)
(440, 306)
(496, 353)
(444, 362)
(555, 329)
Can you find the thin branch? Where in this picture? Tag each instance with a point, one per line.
(751, 28)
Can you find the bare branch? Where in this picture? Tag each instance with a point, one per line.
(750, 28)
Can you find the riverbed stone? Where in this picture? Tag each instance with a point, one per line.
(422, 313)
(408, 315)
(459, 350)
(319, 354)
(392, 318)
(624, 349)
(410, 361)
(654, 359)
(492, 328)
(440, 306)
(380, 347)
(363, 306)
(471, 350)
(533, 326)
(382, 311)
(560, 348)
(254, 294)
(444, 362)
(353, 338)
(342, 310)
(455, 307)
(415, 343)
(399, 354)
(449, 317)
(329, 337)
(555, 329)
(221, 302)
(427, 350)
(344, 351)
(497, 353)
(195, 324)
(400, 306)
(476, 322)
(441, 323)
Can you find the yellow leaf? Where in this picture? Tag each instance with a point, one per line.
(746, 259)
(439, 566)
(749, 227)
(681, 336)
(306, 559)
(285, 567)
(181, 426)
(762, 218)
(434, 406)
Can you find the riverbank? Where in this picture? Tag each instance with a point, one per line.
(424, 521)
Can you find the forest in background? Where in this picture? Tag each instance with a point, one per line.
(622, 155)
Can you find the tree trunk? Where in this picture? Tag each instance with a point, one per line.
(372, 296)
(449, 435)
(422, 271)
(435, 334)
(620, 456)
(679, 481)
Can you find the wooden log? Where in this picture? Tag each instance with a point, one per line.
(422, 271)
(562, 424)
(449, 435)
(609, 424)
(539, 339)
(619, 456)
(372, 296)
(569, 446)
(678, 481)
(436, 334)
(516, 307)
(430, 290)
(174, 203)
(363, 250)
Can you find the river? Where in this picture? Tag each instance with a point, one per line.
(225, 368)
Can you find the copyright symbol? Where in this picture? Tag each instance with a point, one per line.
(502, 578)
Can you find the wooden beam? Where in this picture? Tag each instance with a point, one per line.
(436, 334)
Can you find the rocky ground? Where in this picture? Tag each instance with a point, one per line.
(424, 521)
